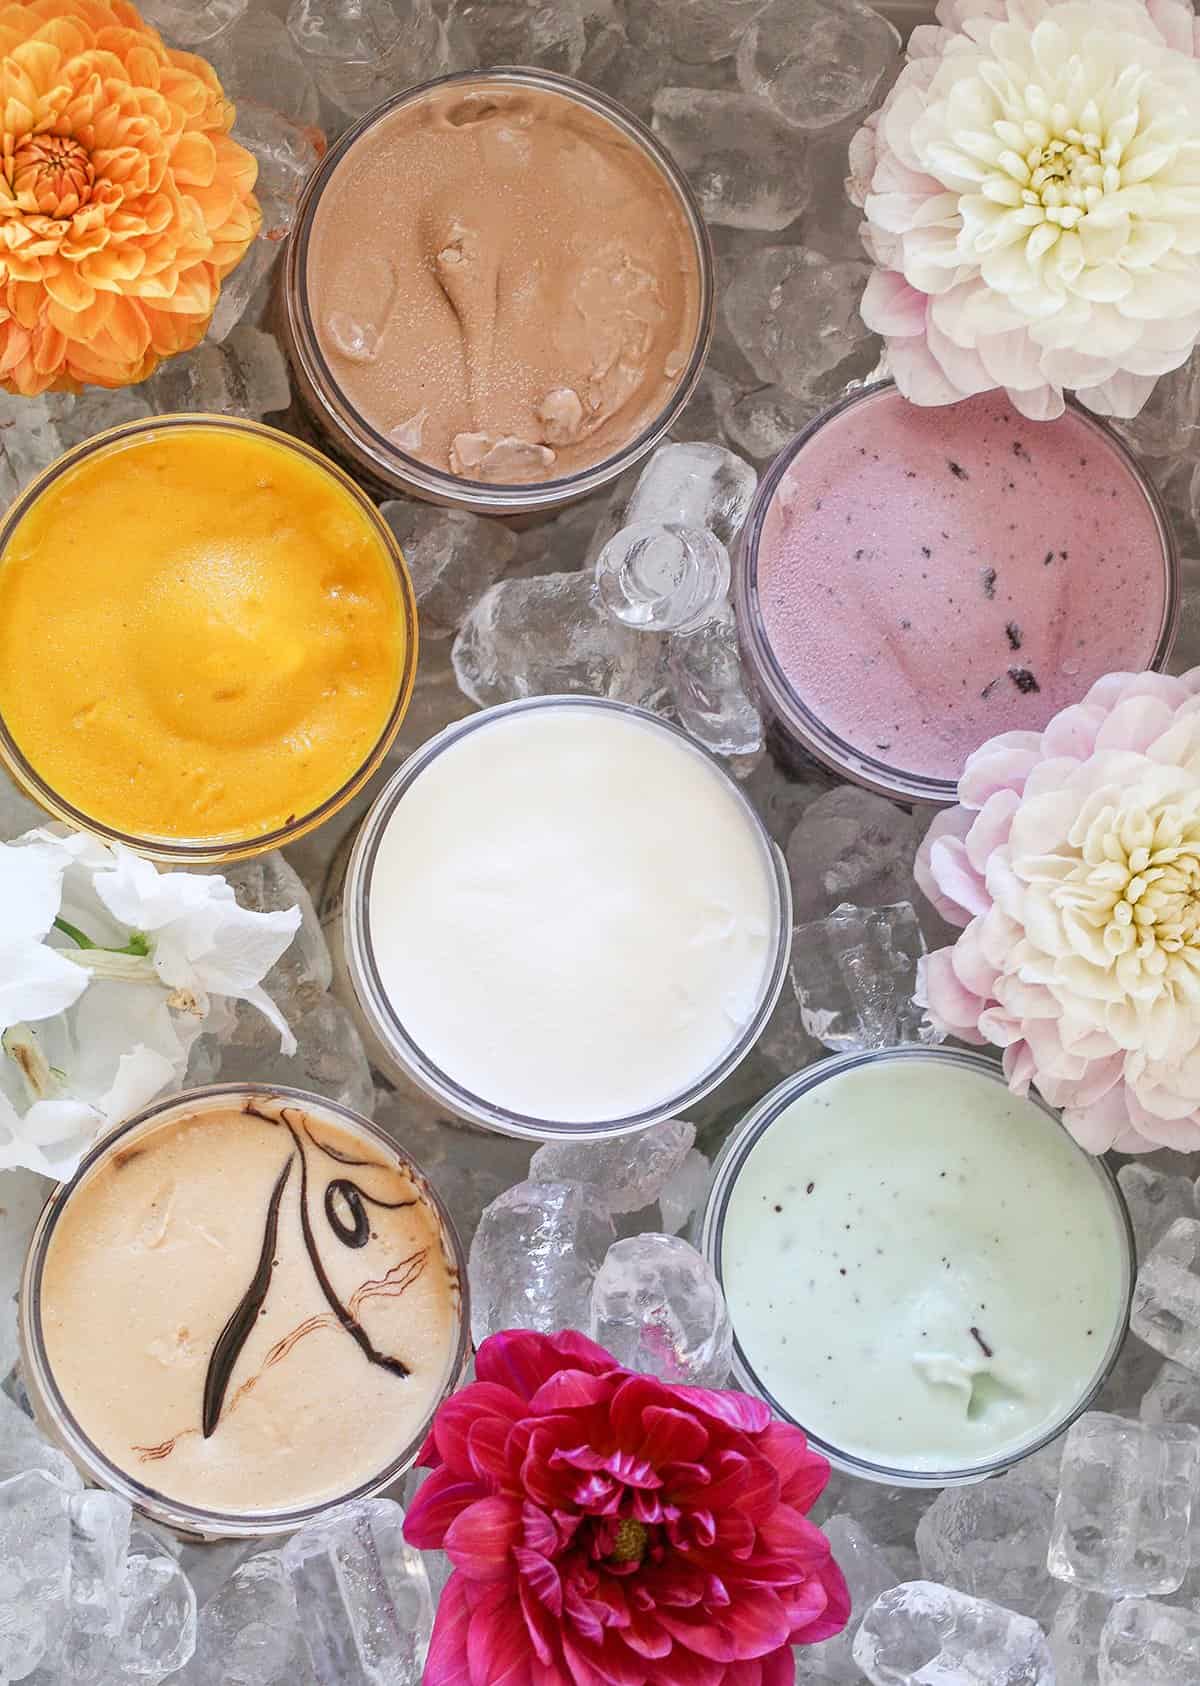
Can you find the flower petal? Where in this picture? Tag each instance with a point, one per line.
(446, 1664)
(480, 1540)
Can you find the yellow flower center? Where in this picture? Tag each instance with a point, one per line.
(1067, 176)
(52, 175)
(1139, 882)
(630, 1543)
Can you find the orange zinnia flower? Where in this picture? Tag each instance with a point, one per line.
(123, 200)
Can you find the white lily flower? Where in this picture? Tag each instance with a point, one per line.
(35, 981)
(201, 940)
(107, 967)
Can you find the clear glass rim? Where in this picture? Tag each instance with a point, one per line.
(396, 467)
(202, 851)
(388, 1028)
(785, 702)
(736, 1151)
(193, 1519)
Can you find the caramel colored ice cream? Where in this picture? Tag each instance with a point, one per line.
(503, 284)
(249, 1310)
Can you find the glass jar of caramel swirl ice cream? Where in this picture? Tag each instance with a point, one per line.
(244, 1308)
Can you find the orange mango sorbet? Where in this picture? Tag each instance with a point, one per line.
(204, 634)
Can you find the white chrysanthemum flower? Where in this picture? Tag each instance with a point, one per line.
(106, 969)
(1073, 861)
(1032, 196)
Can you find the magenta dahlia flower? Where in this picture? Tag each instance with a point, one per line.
(607, 1529)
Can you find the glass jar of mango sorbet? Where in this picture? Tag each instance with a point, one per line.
(208, 638)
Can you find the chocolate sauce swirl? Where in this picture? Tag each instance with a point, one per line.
(234, 1335)
(345, 1206)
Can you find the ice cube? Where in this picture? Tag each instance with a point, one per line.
(99, 1543)
(781, 798)
(244, 376)
(547, 635)
(684, 1192)
(694, 31)
(248, 1632)
(268, 884)
(851, 846)
(453, 558)
(259, 65)
(869, 1572)
(362, 1596)
(1155, 1200)
(436, 702)
(703, 416)
(708, 687)
(794, 314)
(1166, 1299)
(657, 1306)
(1124, 1508)
(287, 152)
(921, 1634)
(23, 1448)
(662, 577)
(766, 419)
(437, 1565)
(329, 1059)
(693, 484)
(816, 61)
(785, 1044)
(1130, 1378)
(1149, 1644)
(553, 36)
(890, 1515)
(628, 1172)
(158, 1619)
(1075, 1637)
(208, 1564)
(832, 223)
(990, 1540)
(363, 51)
(534, 1255)
(1173, 1397)
(192, 23)
(854, 973)
(1168, 424)
(744, 162)
(35, 1569)
(98, 408)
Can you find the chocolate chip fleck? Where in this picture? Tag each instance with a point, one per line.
(1023, 680)
(988, 576)
(1047, 559)
(1013, 634)
(958, 471)
(980, 1342)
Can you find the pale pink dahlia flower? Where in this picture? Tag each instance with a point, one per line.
(1032, 196)
(1073, 860)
